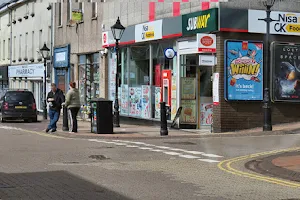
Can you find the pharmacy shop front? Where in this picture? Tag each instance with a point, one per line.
(196, 58)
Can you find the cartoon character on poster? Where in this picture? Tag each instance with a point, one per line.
(286, 72)
(244, 70)
(124, 100)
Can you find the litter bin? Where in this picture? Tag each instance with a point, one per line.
(102, 117)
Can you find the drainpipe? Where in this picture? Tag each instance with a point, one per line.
(11, 40)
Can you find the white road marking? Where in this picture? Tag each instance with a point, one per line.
(145, 148)
(131, 146)
(211, 155)
(163, 147)
(156, 150)
(209, 160)
(188, 156)
(172, 153)
(194, 152)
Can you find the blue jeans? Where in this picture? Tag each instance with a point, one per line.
(54, 116)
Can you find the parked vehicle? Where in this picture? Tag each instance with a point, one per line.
(18, 105)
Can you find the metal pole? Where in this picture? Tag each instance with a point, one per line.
(44, 80)
(267, 101)
(65, 126)
(163, 119)
(116, 106)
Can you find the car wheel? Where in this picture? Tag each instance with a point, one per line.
(28, 120)
(35, 119)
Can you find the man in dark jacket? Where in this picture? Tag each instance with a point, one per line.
(55, 98)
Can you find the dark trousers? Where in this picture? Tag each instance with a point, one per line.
(73, 119)
(54, 116)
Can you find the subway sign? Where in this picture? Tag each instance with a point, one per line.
(200, 22)
(285, 23)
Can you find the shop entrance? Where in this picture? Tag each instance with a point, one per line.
(196, 93)
(62, 79)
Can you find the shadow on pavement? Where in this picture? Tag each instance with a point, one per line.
(52, 185)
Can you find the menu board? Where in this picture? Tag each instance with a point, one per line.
(188, 114)
(157, 102)
(188, 88)
(135, 101)
(146, 95)
(124, 99)
(206, 110)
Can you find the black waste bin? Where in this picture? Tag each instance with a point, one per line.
(102, 117)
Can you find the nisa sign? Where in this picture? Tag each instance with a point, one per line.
(200, 22)
(148, 31)
(285, 23)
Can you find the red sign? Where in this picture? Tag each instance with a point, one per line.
(104, 38)
(207, 41)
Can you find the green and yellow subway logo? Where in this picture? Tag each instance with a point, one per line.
(199, 22)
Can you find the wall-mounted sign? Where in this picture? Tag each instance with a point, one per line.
(148, 31)
(286, 23)
(105, 39)
(216, 99)
(33, 70)
(207, 43)
(77, 15)
(62, 57)
(169, 53)
(200, 22)
(243, 70)
(207, 60)
(286, 72)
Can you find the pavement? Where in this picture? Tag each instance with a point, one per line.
(152, 132)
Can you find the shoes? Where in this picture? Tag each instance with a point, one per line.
(53, 130)
(47, 130)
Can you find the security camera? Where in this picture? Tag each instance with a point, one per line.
(103, 52)
(49, 7)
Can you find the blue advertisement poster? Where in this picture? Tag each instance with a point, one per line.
(243, 70)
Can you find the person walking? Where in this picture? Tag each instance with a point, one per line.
(73, 105)
(55, 98)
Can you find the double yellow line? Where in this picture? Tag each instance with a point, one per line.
(226, 166)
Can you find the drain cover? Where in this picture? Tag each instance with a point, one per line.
(180, 143)
(98, 157)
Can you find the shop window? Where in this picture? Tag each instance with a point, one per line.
(139, 65)
(205, 82)
(95, 77)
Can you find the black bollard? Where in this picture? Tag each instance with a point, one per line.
(163, 119)
(65, 119)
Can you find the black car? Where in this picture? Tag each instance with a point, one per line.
(18, 104)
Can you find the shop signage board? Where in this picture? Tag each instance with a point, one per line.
(148, 31)
(188, 88)
(32, 70)
(135, 101)
(188, 115)
(243, 70)
(285, 72)
(287, 23)
(207, 43)
(200, 22)
(216, 81)
(62, 57)
(146, 95)
(207, 60)
(124, 99)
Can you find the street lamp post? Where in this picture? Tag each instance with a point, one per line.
(267, 100)
(45, 53)
(117, 30)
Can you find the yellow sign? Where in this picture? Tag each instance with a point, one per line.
(77, 16)
(149, 35)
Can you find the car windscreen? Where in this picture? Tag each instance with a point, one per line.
(19, 96)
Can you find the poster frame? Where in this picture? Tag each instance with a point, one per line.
(272, 71)
(226, 74)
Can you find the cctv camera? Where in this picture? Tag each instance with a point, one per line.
(49, 7)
